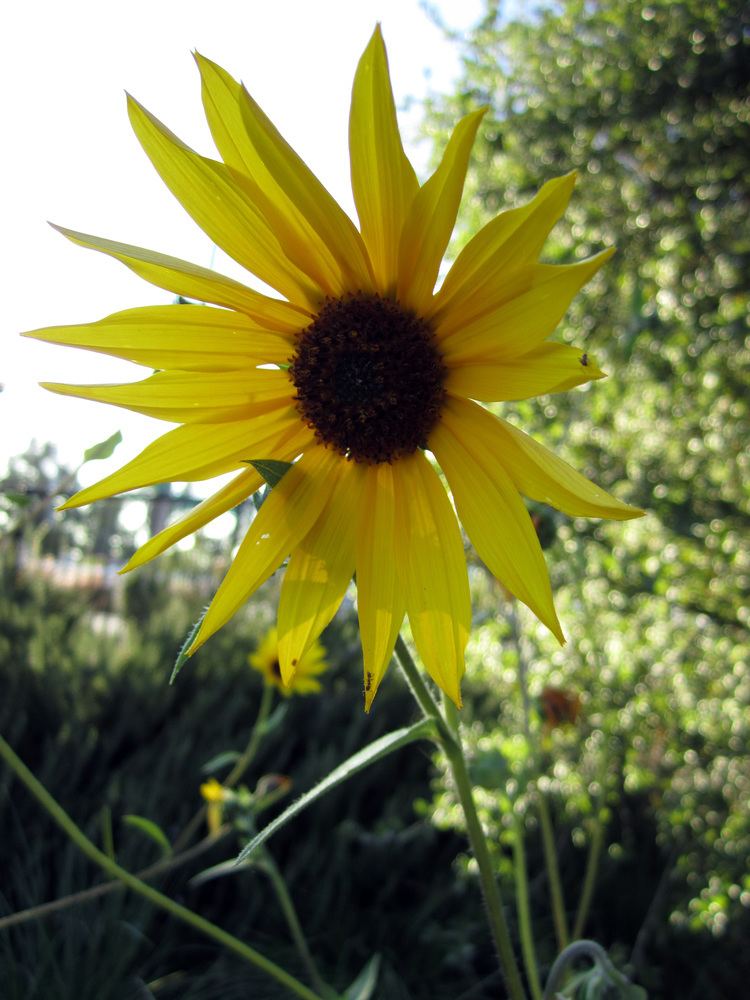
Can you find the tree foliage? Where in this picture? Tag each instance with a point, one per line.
(650, 103)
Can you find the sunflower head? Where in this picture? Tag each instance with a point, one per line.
(361, 371)
(311, 665)
(369, 378)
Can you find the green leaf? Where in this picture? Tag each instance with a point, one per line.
(375, 751)
(363, 987)
(19, 499)
(102, 450)
(220, 760)
(229, 867)
(490, 769)
(182, 656)
(151, 830)
(271, 470)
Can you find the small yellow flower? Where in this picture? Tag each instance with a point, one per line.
(215, 796)
(265, 659)
(362, 373)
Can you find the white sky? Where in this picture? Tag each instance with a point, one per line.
(72, 158)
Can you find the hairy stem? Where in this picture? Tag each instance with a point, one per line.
(450, 741)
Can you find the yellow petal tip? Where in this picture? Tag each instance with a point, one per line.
(203, 62)
(570, 179)
(69, 234)
(456, 699)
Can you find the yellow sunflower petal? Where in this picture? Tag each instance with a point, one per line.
(196, 282)
(494, 516)
(519, 325)
(513, 284)
(433, 567)
(431, 218)
(289, 512)
(508, 242)
(380, 595)
(383, 180)
(198, 451)
(209, 194)
(319, 571)
(183, 337)
(280, 170)
(549, 368)
(190, 397)
(223, 98)
(492, 319)
(536, 471)
(239, 489)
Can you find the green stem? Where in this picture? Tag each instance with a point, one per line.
(417, 685)
(85, 895)
(589, 879)
(256, 735)
(548, 840)
(450, 740)
(295, 928)
(553, 872)
(99, 858)
(108, 840)
(524, 911)
(519, 827)
(490, 888)
(242, 764)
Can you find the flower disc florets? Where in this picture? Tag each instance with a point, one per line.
(369, 378)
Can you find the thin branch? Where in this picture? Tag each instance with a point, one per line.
(95, 891)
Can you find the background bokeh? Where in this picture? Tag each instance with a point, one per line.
(636, 731)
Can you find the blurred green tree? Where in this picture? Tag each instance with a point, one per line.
(650, 103)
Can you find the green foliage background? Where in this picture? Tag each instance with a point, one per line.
(94, 718)
(650, 102)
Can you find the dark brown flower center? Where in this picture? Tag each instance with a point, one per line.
(369, 378)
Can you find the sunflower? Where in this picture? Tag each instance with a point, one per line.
(360, 376)
(311, 664)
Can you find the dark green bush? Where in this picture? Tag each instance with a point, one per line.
(94, 717)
